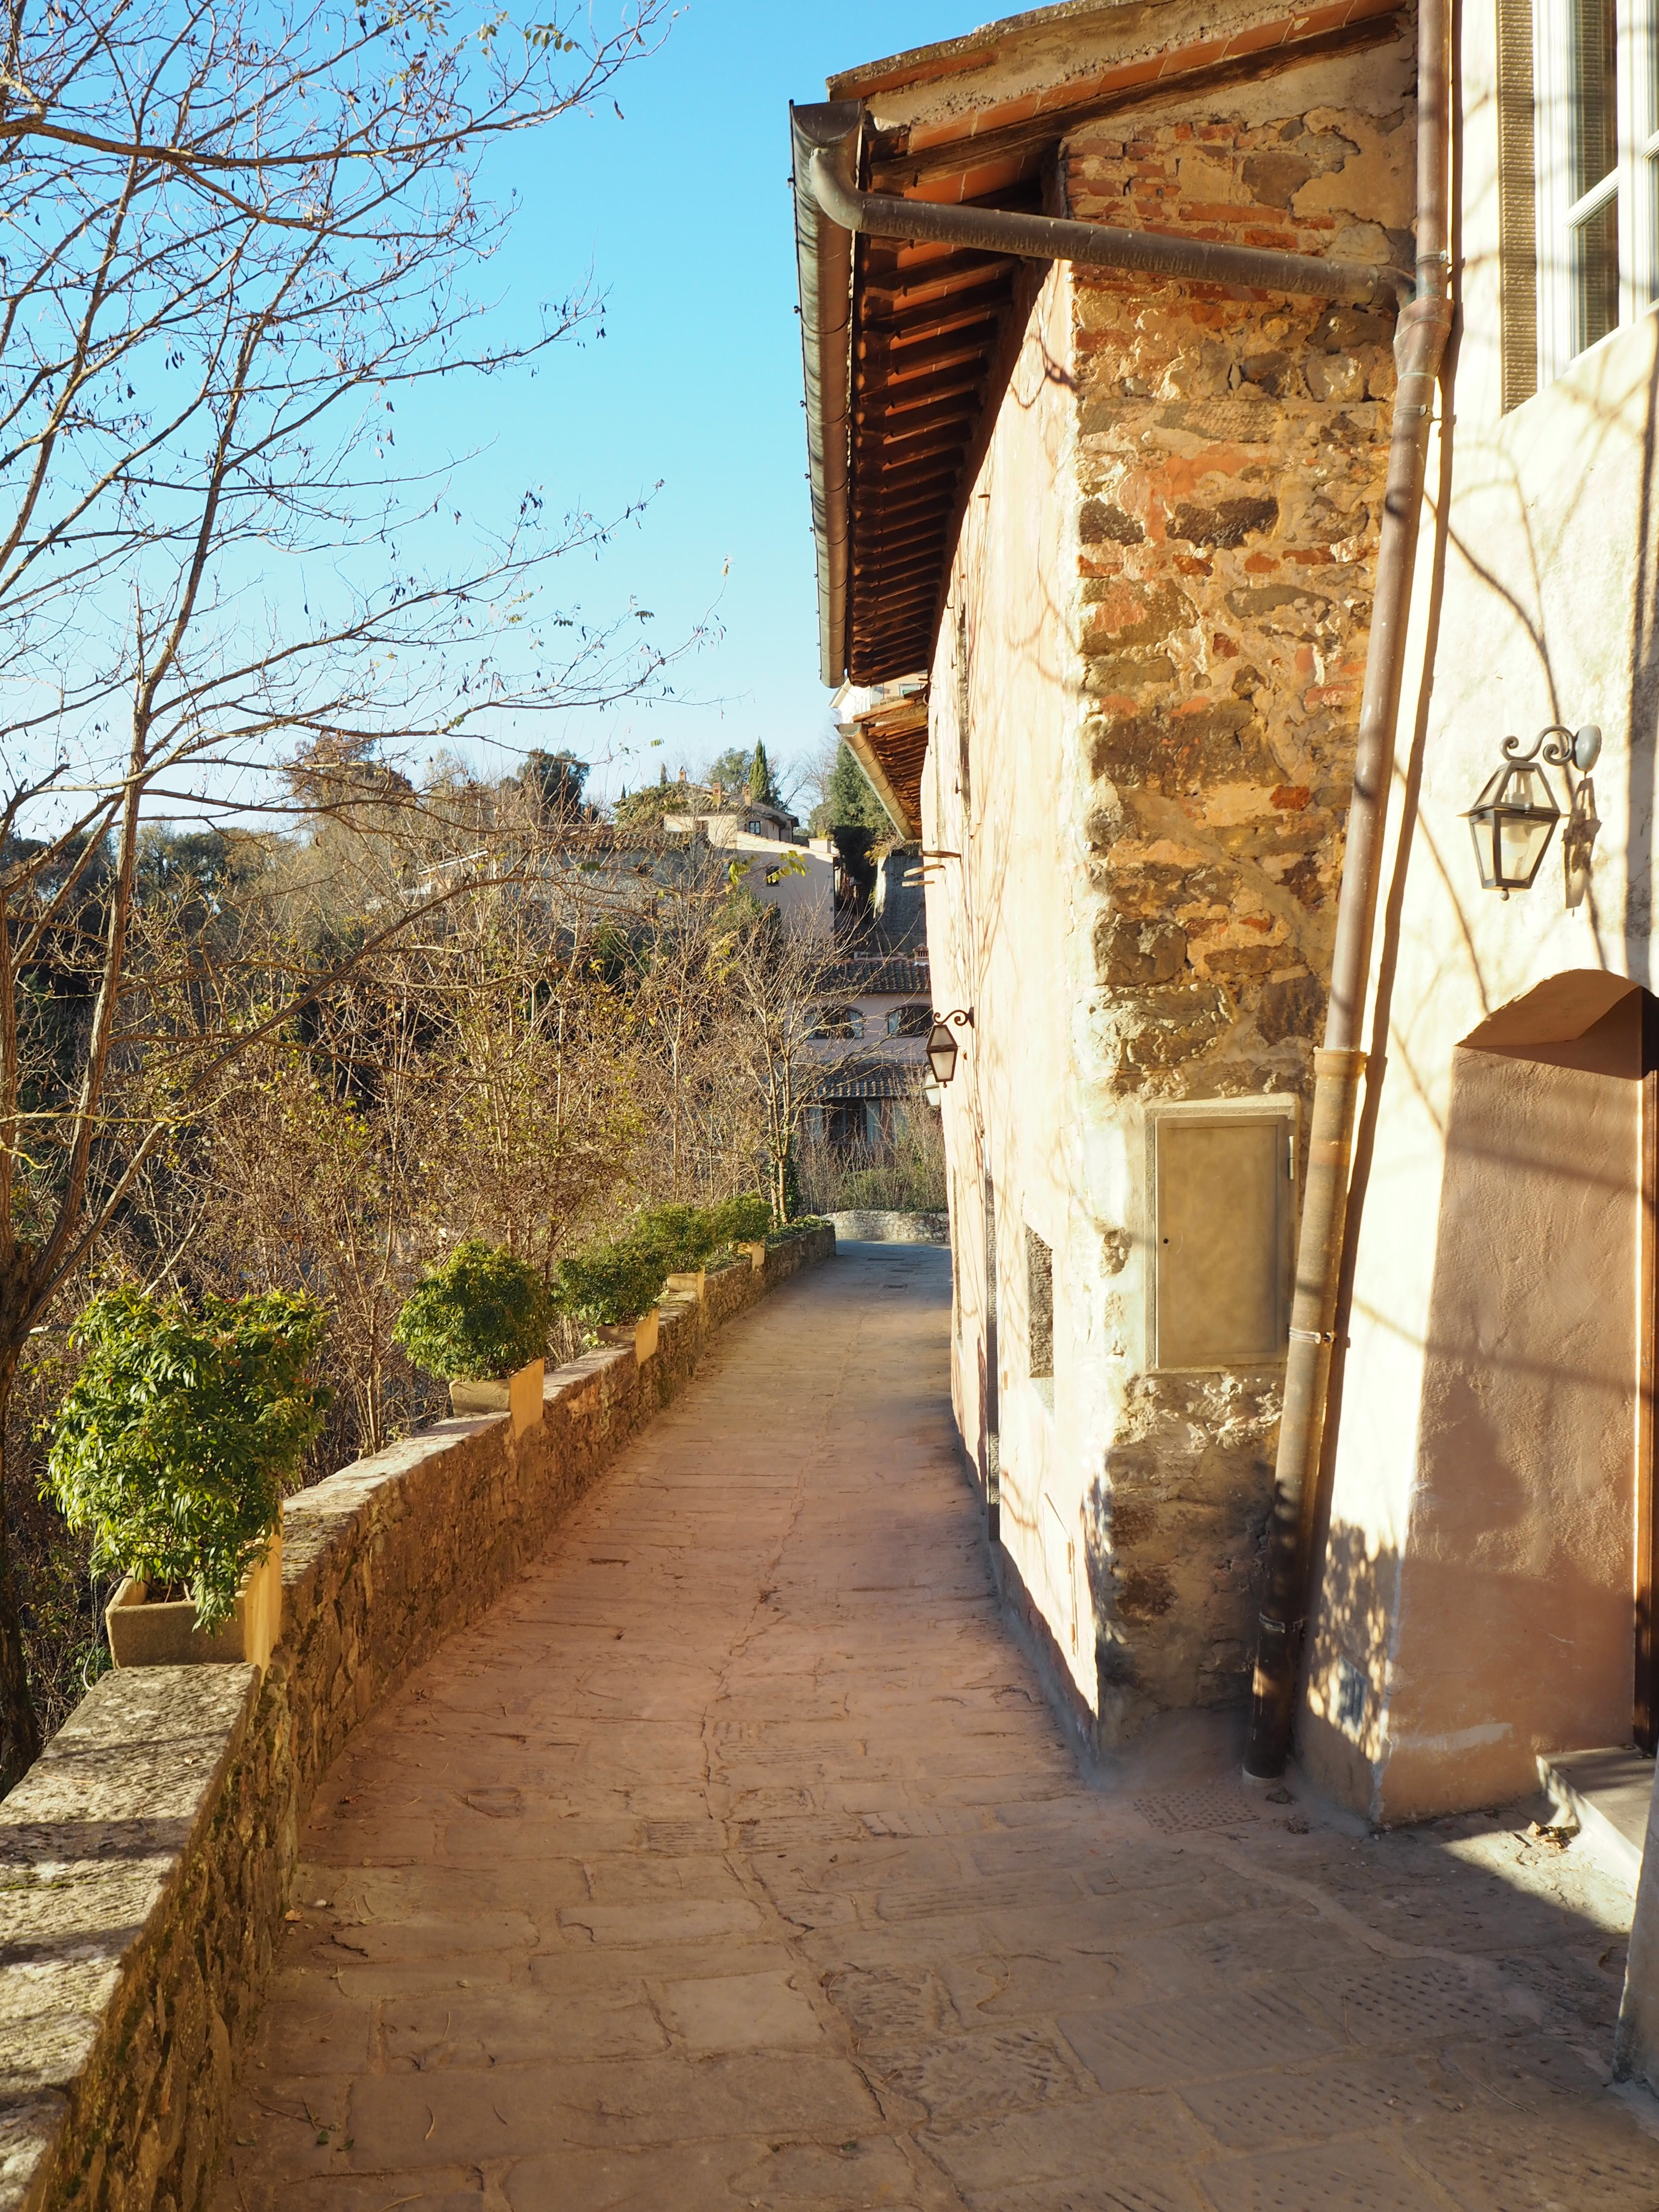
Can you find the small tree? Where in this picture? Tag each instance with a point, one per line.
(695, 1102)
(846, 800)
(763, 784)
(611, 1281)
(553, 783)
(182, 1433)
(482, 1316)
(778, 985)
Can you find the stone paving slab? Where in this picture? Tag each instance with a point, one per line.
(736, 1860)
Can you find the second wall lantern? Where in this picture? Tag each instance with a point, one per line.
(1515, 816)
(942, 1045)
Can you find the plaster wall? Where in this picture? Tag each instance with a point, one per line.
(1153, 643)
(799, 882)
(1001, 922)
(1534, 604)
(1513, 1632)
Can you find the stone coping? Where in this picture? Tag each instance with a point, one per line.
(146, 1859)
(877, 1227)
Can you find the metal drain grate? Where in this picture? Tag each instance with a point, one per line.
(1207, 1808)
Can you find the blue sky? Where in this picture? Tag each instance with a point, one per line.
(682, 208)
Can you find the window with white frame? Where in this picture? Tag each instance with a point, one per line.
(1596, 150)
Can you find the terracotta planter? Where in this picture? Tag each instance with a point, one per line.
(519, 1395)
(691, 1283)
(145, 1635)
(756, 1254)
(641, 1334)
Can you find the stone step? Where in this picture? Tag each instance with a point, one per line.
(1607, 1792)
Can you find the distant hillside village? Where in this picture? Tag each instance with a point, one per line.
(850, 880)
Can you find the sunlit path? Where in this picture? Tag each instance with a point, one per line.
(735, 1859)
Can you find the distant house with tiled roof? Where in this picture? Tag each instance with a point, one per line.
(879, 1005)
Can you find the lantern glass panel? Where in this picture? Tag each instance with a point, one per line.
(1482, 833)
(1511, 824)
(1521, 842)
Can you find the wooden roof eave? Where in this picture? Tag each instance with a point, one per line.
(920, 315)
(857, 739)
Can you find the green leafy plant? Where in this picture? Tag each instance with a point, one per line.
(744, 1219)
(480, 1315)
(609, 1282)
(181, 1433)
(684, 1235)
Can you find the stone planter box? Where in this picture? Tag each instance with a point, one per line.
(642, 1335)
(519, 1395)
(690, 1283)
(145, 1635)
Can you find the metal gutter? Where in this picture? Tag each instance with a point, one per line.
(1095, 245)
(830, 209)
(823, 254)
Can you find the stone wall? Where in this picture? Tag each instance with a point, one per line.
(879, 1228)
(145, 1861)
(1230, 461)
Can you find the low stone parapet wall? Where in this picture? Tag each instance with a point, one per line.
(878, 1228)
(146, 1859)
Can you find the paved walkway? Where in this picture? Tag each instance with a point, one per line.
(736, 1860)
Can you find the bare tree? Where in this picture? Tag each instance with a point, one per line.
(697, 1108)
(779, 982)
(234, 236)
(469, 1073)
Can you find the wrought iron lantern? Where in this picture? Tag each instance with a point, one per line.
(942, 1045)
(1515, 816)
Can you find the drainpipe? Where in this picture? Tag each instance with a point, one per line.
(1419, 344)
(1096, 245)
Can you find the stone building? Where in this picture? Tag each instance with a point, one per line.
(1124, 528)
(771, 858)
(873, 1026)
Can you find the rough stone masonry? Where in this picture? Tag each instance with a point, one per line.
(1230, 460)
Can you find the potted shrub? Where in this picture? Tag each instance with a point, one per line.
(612, 1286)
(480, 1321)
(744, 1222)
(174, 1448)
(685, 1236)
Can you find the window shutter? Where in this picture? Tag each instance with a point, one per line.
(1518, 189)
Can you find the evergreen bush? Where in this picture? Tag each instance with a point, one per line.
(182, 1433)
(610, 1282)
(744, 1219)
(684, 1235)
(482, 1316)
(615, 1279)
